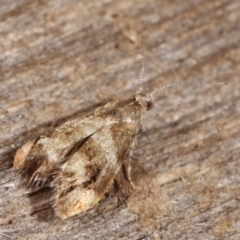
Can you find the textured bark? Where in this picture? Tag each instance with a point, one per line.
(60, 59)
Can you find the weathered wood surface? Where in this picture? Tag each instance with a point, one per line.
(61, 58)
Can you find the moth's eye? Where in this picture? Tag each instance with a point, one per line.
(149, 106)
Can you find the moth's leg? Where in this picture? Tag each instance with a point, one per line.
(129, 177)
(130, 158)
(128, 168)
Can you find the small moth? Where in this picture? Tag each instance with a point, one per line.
(84, 154)
(82, 157)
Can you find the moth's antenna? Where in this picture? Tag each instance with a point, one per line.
(153, 94)
(142, 59)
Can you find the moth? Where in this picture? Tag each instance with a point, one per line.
(82, 157)
(84, 154)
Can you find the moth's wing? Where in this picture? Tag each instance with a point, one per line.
(22, 153)
(86, 176)
(42, 156)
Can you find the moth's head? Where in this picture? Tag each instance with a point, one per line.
(128, 110)
(144, 100)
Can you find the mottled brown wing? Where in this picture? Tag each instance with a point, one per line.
(86, 176)
(41, 157)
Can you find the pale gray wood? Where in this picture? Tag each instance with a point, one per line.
(61, 58)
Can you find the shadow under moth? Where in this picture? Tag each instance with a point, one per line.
(81, 158)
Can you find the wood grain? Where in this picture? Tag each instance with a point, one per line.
(60, 59)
